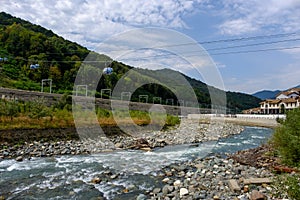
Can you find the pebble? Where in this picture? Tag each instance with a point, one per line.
(19, 158)
(165, 180)
(156, 190)
(96, 180)
(177, 183)
(183, 191)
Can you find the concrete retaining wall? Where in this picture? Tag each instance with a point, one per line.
(103, 103)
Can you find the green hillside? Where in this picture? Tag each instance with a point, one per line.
(24, 44)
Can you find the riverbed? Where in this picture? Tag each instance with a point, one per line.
(122, 174)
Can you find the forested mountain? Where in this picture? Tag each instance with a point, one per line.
(33, 53)
(269, 94)
(266, 94)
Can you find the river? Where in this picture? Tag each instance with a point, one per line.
(69, 177)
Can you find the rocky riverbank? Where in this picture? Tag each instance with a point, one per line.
(244, 175)
(189, 131)
(248, 174)
(214, 178)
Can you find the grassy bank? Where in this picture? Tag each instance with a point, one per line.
(37, 115)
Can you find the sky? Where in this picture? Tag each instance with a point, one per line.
(254, 45)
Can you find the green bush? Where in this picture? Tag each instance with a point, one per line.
(39, 109)
(103, 113)
(9, 108)
(65, 102)
(27, 85)
(286, 138)
(172, 120)
(294, 188)
(288, 185)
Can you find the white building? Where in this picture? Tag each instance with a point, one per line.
(284, 101)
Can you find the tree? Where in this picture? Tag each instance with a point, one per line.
(286, 138)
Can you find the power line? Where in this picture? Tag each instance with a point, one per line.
(254, 44)
(257, 50)
(204, 50)
(229, 47)
(258, 37)
(165, 55)
(233, 39)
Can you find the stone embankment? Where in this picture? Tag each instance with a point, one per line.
(51, 98)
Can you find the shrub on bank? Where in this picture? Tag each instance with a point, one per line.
(288, 184)
(286, 138)
(172, 120)
(39, 109)
(9, 108)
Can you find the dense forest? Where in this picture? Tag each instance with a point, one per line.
(30, 53)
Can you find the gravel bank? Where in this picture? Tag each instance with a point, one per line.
(190, 131)
(214, 178)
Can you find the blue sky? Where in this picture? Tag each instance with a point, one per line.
(267, 31)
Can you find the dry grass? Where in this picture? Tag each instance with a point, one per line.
(65, 121)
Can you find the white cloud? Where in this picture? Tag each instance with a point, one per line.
(243, 26)
(91, 21)
(251, 16)
(280, 78)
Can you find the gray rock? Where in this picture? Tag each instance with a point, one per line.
(141, 197)
(156, 190)
(202, 196)
(165, 189)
